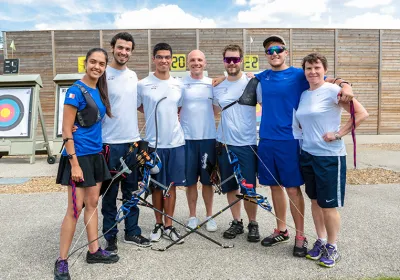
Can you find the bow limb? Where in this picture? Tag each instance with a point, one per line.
(112, 180)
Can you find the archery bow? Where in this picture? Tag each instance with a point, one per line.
(247, 190)
(249, 194)
(123, 170)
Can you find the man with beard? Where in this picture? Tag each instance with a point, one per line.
(237, 129)
(119, 132)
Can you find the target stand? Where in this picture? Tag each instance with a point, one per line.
(63, 82)
(19, 112)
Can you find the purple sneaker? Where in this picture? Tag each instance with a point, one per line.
(316, 252)
(329, 257)
(101, 256)
(61, 270)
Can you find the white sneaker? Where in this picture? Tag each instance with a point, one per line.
(211, 225)
(192, 223)
(173, 235)
(156, 234)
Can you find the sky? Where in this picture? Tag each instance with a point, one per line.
(18, 15)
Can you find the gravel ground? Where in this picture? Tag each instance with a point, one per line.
(368, 176)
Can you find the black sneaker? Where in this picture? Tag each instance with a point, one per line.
(101, 256)
(254, 234)
(300, 246)
(138, 240)
(235, 229)
(112, 245)
(61, 270)
(275, 238)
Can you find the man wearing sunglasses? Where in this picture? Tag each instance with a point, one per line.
(170, 140)
(278, 149)
(237, 129)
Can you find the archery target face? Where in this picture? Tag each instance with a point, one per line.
(15, 112)
(61, 98)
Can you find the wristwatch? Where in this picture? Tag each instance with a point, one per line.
(70, 156)
(344, 82)
(337, 136)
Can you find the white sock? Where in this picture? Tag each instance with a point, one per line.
(323, 240)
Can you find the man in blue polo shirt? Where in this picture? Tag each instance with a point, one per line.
(278, 149)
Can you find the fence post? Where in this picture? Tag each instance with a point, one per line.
(378, 131)
(149, 47)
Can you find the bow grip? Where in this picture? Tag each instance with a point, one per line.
(247, 186)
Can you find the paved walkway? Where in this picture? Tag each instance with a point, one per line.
(369, 239)
(369, 243)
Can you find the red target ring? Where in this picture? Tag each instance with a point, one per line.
(11, 112)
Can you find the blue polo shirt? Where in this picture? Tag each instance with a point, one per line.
(281, 91)
(87, 140)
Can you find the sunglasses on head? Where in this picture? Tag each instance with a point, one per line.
(233, 59)
(276, 49)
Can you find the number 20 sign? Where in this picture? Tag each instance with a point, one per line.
(251, 63)
(178, 62)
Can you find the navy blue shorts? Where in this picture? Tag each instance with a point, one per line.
(247, 161)
(173, 166)
(194, 153)
(325, 178)
(281, 157)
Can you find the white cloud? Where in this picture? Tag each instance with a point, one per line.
(268, 11)
(6, 18)
(163, 16)
(73, 7)
(64, 25)
(240, 2)
(389, 10)
(367, 4)
(368, 21)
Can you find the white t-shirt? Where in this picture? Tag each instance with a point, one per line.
(238, 121)
(150, 91)
(122, 92)
(318, 113)
(197, 115)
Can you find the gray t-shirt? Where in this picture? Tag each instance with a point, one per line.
(197, 115)
(150, 91)
(318, 113)
(122, 92)
(238, 122)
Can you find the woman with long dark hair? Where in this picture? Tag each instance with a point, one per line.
(82, 166)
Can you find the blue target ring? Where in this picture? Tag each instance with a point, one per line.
(11, 112)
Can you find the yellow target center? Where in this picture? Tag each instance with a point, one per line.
(5, 113)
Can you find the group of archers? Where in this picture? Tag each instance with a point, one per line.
(292, 99)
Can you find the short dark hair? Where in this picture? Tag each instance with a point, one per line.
(123, 36)
(233, 48)
(161, 47)
(313, 58)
